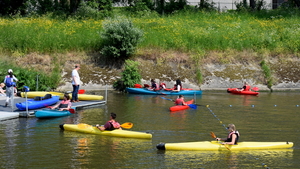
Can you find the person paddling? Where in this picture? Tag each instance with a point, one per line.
(246, 87)
(112, 124)
(232, 137)
(180, 100)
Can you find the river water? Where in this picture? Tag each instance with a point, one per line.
(35, 143)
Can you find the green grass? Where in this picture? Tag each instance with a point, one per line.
(185, 32)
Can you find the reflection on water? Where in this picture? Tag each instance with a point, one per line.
(34, 143)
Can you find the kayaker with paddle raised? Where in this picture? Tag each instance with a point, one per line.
(246, 87)
(232, 137)
(65, 104)
(112, 124)
(180, 100)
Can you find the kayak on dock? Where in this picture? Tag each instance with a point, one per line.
(162, 92)
(38, 102)
(85, 128)
(236, 91)
(83, 97)
(217, 146)
(181, 107)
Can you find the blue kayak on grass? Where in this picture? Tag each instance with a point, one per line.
(38, 102)
(162, 92)
(49, 113)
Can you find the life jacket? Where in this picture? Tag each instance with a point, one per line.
(162, 86)
(113, 125)
(9, 81)
(175, 87)
(229, 137)
(179, 101)
(64, 104)
(154, 86)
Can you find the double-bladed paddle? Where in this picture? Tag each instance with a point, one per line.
(127, 125)
(212, 134)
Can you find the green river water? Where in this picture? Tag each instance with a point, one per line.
(36, 143)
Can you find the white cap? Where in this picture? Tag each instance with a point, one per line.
(9, 70)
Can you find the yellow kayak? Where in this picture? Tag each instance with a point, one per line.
(85, 128)
(61, 95)
(215, 145)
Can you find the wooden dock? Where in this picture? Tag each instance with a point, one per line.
(9, 112)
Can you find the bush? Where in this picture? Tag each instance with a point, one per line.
(130, 76)
(120, 39)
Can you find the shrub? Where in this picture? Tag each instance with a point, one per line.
(120, 39)
(130, 76)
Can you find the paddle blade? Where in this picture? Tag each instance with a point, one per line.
(193, 106)
(212, 134)
(255, 88)
(72, 111)
(81, 91)
(127, 125)
(167, 99)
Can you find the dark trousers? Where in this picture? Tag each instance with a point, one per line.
(75, 92)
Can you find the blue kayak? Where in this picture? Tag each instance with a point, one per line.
(38, 102)
(162, 92)
(49, 113)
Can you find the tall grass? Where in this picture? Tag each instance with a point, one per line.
(215, 31)
(187, 32)
(43, 34)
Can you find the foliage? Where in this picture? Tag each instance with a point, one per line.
(267, 72)
(33, 79)
(130, 76)
(164, 7)
(88, 10)
(243, 6)
(206, 5)
(120, 39)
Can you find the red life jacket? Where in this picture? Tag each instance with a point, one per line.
(179, 101)
(247, 88)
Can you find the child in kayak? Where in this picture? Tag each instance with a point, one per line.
(232, 137)
(180, 100)
(65, 104)
(112, 124)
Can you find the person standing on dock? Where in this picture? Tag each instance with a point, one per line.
(75, 83)
(10, 86)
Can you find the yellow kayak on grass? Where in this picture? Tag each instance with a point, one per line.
(83, 97)
(216, 145)
(85, 128)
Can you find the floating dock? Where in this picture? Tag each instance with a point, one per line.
(9, 112)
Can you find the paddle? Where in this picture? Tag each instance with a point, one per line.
(72, 111)
(126, 125)
(255, 88)
(212, 134)
(193, 106)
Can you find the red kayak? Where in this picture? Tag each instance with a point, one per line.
(181, 107)
(236, 91)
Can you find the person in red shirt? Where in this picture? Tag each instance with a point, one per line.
(180, 100)
(112, 124)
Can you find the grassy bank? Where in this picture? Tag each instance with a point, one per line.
(185, 32)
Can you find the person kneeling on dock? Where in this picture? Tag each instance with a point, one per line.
(64, 104)
(112, 124)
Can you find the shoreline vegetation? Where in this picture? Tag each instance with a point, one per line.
(195, 38)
